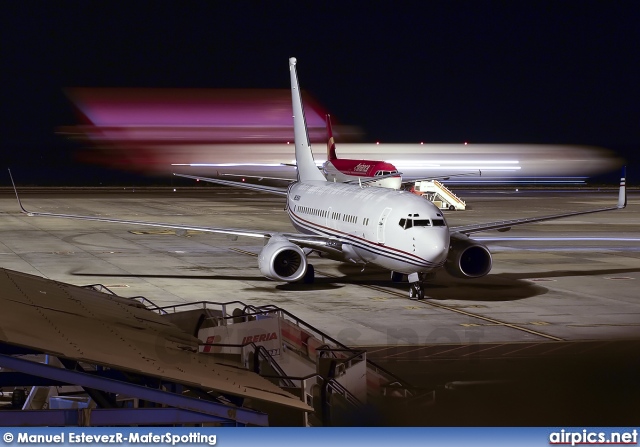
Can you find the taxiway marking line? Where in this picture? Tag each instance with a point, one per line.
(492, 320)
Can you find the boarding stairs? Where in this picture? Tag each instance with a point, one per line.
(439, 194)
(342, 386)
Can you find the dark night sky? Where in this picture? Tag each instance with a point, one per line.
(434, 71)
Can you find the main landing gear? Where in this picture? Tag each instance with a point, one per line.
(309, 275)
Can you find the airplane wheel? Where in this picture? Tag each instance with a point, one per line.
(309, 275)
(416, 292)
(396, 276)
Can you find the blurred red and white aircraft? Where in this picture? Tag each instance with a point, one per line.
(344, 170)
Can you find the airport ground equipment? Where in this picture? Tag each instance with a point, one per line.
(439, 194)
(342, 386)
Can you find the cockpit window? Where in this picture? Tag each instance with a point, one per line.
(438, 222)
(409, 223)
(421, 223)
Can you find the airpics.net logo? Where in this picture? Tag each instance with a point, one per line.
(587, 437)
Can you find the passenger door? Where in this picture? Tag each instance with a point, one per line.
(382, 223)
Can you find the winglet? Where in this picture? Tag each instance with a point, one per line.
(16, 191)
(331, 144)
(622, 195)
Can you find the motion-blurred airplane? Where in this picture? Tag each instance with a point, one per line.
(345, 170)
(396, 230)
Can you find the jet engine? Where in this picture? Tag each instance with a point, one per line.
(467, 258)
(282, 261)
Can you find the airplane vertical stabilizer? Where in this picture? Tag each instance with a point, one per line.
(307, 169)
(331, 144)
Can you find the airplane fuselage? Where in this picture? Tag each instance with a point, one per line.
(395, 230)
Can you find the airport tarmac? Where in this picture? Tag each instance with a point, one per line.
(563, 286)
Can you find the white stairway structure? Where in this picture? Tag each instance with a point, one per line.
(439, 194)
(342, 386)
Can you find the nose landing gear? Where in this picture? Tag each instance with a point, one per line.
(416, 291)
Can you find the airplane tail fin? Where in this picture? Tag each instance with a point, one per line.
(307, 169)
(331, 144)
(622, 195)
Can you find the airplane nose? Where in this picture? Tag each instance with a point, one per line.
(436, 248)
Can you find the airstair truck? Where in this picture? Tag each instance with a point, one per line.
(439, 194)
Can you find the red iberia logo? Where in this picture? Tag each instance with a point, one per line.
(259, 338)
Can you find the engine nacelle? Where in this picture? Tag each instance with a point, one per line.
(467, 258)
(282, 261)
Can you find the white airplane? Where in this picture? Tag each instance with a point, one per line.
(396, 230)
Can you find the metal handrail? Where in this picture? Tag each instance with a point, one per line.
(100, 288)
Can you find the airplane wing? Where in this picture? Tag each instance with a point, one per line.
(505, 225)
(372, 179)
(262, 188)
(319, 243)
(261, 177)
